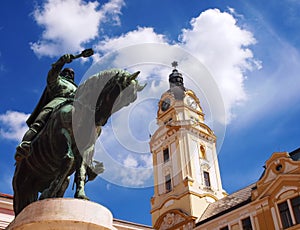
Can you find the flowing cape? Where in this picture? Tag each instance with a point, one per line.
(44, 100)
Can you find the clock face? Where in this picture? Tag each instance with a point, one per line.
(165, 104)
(191, 102)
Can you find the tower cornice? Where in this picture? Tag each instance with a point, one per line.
(178, 197)
(171, 131)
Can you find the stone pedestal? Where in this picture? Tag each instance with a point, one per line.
(63, 214)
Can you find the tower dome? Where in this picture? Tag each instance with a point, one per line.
(176, 83)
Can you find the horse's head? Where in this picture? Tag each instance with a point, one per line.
(103, 94)
(119, 91)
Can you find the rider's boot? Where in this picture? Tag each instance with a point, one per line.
(23, 149)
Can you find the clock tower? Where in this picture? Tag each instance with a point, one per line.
(186, 171)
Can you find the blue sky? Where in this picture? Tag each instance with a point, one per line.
(249, 48)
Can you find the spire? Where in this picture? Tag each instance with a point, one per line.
(175, 78)
(176, 82)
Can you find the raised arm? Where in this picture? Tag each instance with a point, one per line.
(57, 67)
(67, 58)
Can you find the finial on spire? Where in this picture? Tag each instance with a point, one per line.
(174, 64)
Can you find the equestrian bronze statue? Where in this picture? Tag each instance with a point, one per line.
(63, 130)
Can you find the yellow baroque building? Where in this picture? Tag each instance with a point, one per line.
(273, 202)
(188, 192)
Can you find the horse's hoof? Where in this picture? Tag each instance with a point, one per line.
(44, 195)
(81, 196)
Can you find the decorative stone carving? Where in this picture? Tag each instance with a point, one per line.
(205, 166)
(188, 226)
(170, 220)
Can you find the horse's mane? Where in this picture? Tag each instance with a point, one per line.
(87, 93)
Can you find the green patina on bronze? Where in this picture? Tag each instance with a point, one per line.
(63, 129)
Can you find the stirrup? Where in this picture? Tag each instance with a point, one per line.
(23, 150)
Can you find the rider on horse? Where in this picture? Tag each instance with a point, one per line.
(60, 89)
(50, 152)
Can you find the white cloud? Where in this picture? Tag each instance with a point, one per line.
(68, 24)
(13, 125)
(134, 173)
(130, 162)
(112, 10)
(123, 167)
(222, 46)
(141, 35)
(136, 177)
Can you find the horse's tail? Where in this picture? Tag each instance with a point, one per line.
(22, 186)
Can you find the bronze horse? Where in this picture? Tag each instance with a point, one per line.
(66, 143)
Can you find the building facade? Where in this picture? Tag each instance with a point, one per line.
(273, 202)
(188, 191)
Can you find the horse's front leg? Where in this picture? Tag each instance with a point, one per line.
(83, 160)
(80, 178)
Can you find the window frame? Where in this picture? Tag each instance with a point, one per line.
(168, 183)
(247, 223)
(292, 217)
(285, 214)
(166, 152)
(206, 177)
(295, 203)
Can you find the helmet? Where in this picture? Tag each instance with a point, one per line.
(67, 73)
